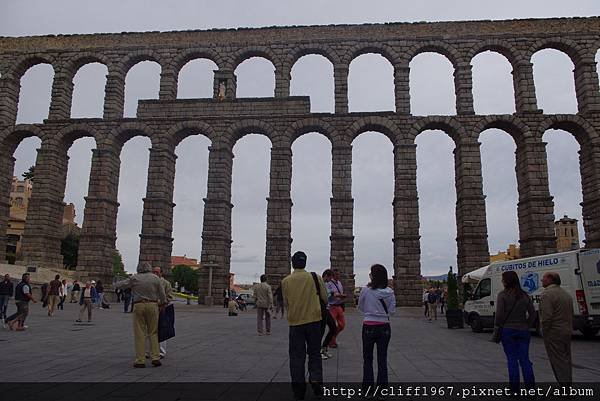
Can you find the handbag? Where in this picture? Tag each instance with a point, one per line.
(324, 310)
(166, 324)
(497, 333)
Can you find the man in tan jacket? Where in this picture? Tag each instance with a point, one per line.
(148, 296)
(556, 316)
(264, 302)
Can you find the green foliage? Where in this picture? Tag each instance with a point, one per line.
(69, 247)
(29, 174)
(118, 266)
(452, 301)
(185, 276)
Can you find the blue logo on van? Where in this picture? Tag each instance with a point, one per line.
(530, 282)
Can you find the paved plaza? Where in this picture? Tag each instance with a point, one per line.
(210, 346)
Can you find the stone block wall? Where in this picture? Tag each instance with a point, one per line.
(225, 119)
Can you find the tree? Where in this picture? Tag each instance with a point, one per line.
(185, 276)
(69, 247)
(452, 301)
(29, 174)
(118, 266)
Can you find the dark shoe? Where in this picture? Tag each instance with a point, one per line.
(156, 363)
(139, 365)
(317, 389)
(78, 320)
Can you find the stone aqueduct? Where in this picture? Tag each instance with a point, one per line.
(282, 118)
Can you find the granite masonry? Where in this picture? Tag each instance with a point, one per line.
(283, 118)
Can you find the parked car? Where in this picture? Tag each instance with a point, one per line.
(248, 298)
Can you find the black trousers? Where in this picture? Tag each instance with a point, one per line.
(330, 323)
(375, 335)
(305, 339)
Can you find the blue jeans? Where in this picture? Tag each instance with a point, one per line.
(3, 305)
(516, 348)
(371, 335)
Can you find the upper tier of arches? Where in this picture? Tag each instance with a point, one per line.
(399, 54)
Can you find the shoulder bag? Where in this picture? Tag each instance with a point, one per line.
(323, 305)
(497, 333)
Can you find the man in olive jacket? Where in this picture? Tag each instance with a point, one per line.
(556, 317)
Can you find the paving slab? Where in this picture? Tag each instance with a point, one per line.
(213, 347)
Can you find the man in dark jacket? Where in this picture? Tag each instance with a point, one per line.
(22, 297)
(6, 291)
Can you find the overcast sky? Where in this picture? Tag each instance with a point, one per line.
(370, 89)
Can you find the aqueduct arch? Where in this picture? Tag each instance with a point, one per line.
(223, 119)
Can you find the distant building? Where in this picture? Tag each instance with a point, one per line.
(511, 253)
(567, 235)
(20, 194)
(184, 260)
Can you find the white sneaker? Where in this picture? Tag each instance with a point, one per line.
(324, 356)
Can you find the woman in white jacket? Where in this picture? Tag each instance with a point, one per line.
(377, 302)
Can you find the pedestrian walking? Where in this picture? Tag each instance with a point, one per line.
(226, 297)
(44, 291)
(100, 292)
(127, 305)
(432, 301)
(514, 316)
(23, 296)
(443, 297)
(279, 304)
(6, 292)
(62, 295)
(556, 317)
(168, 312)
(336, 305)
(263, 296)
(304, 320)
(148, 297)
(87, 298)
(54, 289)
(75, 292)
(377, 303)
(327, 321)
(426, 302)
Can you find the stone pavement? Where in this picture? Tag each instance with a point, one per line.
(210, 346)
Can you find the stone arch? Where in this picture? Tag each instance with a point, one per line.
(447, 124)
(242, 128)
(193, 54)
(86, 58)
(128, 130)
(583, 131)
(567, 46)
(182, 130)
(141, 55)
(254, 51)
(445, 49)
(513, 126)
(377, 124)
(383, 50)
(307, 50)
(512, 54)
(11, 137)
(26, 62)
(308, 125)
(66, 136)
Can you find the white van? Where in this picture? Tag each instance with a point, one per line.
(579, 273)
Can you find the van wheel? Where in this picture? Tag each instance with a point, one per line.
(589, 332)
(476, 324)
